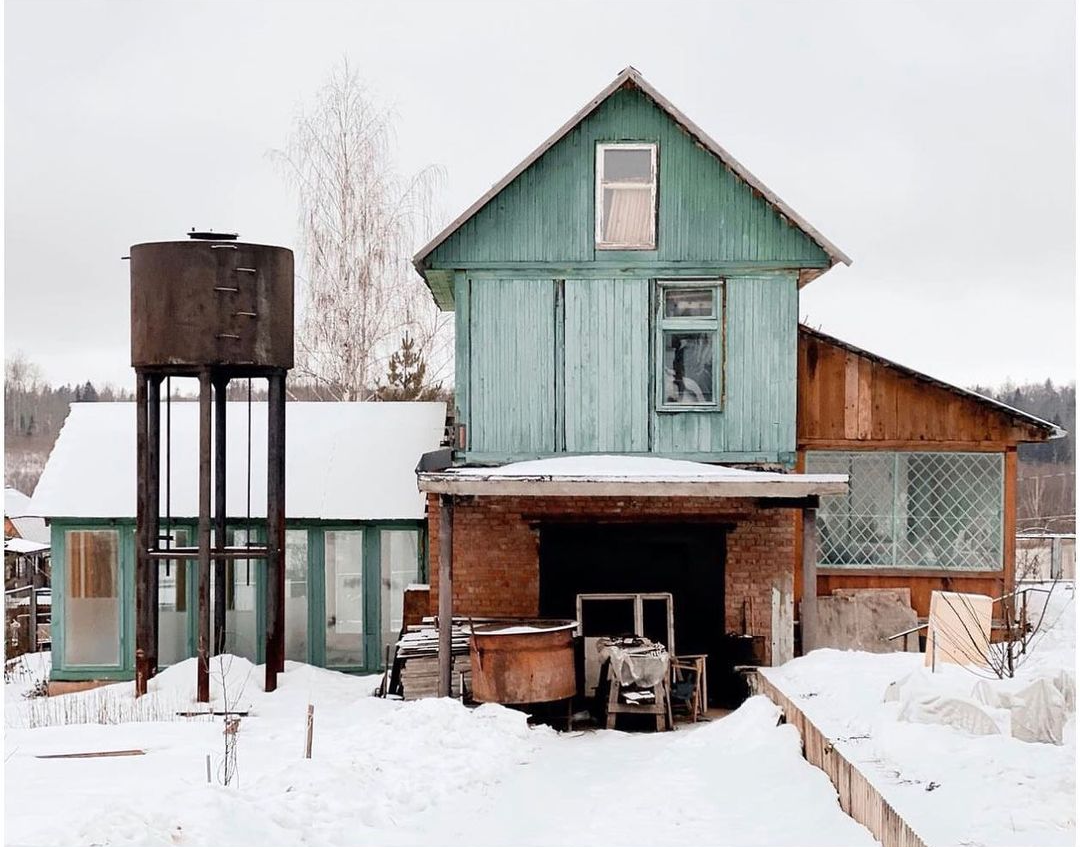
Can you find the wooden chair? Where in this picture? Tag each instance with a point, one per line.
(690, 684)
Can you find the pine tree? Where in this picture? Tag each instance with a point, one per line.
(405, 375)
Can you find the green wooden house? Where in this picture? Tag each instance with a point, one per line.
(355, 533)
(631, 289)
(646, 285)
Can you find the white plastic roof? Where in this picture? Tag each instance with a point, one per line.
(602, 475)
(350, 461)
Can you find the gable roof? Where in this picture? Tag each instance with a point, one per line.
(343, 461)
(630, 77)
(1046, 428)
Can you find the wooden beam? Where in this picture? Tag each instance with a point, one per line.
(808, 609)
(1008, 522)
(446, 591)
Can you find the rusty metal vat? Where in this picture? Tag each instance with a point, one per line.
(211, 300)
(523, 662)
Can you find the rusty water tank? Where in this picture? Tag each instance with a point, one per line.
(211, 300)
(523, 662)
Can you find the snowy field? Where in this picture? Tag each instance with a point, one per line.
(385, 772)
(977, 787)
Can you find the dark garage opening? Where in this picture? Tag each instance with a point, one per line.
(686, 560)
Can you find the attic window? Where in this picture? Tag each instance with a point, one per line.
(626, 196)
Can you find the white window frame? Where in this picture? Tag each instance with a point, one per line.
(601, 185)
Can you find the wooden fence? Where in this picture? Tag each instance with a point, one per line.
(858, 798)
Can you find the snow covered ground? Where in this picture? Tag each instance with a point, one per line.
(952, 787)
(385, 772)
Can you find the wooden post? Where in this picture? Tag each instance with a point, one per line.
(1009, 520)
(310, 730)
(446, 592)
(220, 390)
(275, 530)
(808, 609)
(143, 622)
(205, 430)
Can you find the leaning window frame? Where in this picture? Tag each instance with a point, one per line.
(598, 193)
(714, 324)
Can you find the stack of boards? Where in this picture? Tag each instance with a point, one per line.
(416, 664)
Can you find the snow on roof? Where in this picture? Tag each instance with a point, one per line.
(21, 545)
(604, 475)
(350, 461)
(616, 467)
(15, 503)
(29, 528)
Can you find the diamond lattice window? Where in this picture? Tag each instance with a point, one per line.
(939, 511)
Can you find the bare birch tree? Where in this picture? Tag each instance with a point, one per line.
(360, 221)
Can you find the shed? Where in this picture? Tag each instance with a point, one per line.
(354, 531)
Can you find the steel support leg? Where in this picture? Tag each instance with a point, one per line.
(275, 541)
(220, 473)
(205, 430)
(143, 615)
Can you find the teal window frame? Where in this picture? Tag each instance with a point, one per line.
(714, 324)
(316, 646)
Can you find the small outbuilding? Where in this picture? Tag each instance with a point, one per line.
(355, 532)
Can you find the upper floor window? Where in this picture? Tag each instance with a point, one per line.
(689, 343)
(626, 196)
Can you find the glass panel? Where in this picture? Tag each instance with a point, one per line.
(172, 603)
(92, 604)
(688, 367)
(912, 510)
(344, 597)
(241, 637)
(856, 529)
(689, 302)
(629, 218)
(296, 595)
(623, 165)
(400, 550)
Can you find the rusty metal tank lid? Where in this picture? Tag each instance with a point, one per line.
(524, 627)
(210, 235)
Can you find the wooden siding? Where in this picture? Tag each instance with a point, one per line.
(706, 213)
(546, 374)
(606, 359)
(758, 412)
(847, 398)
(512, 367)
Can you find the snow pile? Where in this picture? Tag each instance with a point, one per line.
(643, 468)
(391, 773)
(945, 748)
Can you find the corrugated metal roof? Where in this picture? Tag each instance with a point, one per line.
(630, 76)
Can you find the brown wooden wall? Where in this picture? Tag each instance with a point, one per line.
(852, 400)
(845, 395)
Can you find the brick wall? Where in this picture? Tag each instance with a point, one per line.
(497, 549)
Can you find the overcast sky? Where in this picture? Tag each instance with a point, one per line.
(933, 142)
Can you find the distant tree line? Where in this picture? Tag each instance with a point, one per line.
(1046, 400)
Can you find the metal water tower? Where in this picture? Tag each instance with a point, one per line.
(218, 309)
